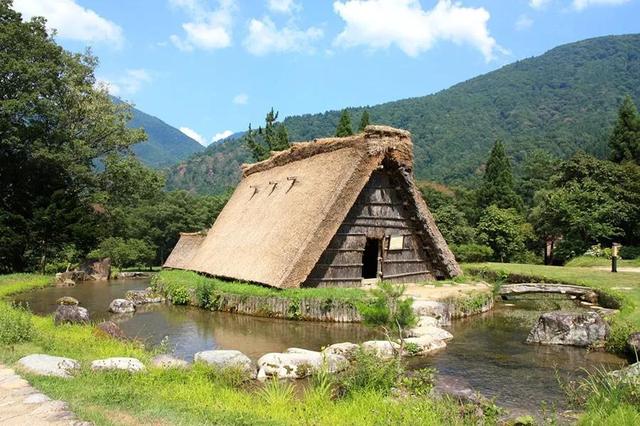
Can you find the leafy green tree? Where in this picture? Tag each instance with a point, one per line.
(591, 201)
(536, 172)
(504, 230)
(625, 138)
(364, 120)
(274, 137)
(497, 185)
(453, 225)
(125, 252)
(54, 126)
(344, 125)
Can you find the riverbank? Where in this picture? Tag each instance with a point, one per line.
(200, 395)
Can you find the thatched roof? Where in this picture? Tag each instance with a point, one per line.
(185, 250)
(287, 208)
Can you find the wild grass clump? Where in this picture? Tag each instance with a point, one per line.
(606, 398)
(15, 324)
(388, 310)
(368, 372)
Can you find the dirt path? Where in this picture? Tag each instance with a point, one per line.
(21, 404)
(432, 292)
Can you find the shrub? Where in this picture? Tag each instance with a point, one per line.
(420, 382)
(630, 252)
(598, 251)
(15, 325)
(368, 372)
(387, 310)
(617, 340)
(179, 295)
(472, 252)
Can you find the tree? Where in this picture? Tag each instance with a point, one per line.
(504, 230)
(274, 137)
(54, 126)
(537, 170)
(344, 125)
(497, 186)
(125, 252)
(364, 120)
(625, 138)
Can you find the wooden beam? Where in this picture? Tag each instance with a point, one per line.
(407, 274)
(359, 279)
(342, 249)
(405, 261)
(346, 265)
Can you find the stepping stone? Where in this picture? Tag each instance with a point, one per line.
(47, 365)
(131, 365)
(168, 361)
(225, 359)
(382, 348)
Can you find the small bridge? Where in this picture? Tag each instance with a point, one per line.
(583, 293)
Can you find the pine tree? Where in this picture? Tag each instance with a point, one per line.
(274, 137)
(364, 121)
(344, 125)
(625, 138)
(498, 186)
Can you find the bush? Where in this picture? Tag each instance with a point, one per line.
(179, 296)
(420, 382)
(15, 325)
(598, 251)
(617, 340)
(472, 253)
(387, 310)
(630, 252)
(368, 372)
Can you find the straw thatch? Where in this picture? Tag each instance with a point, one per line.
(185, 250)
(287, 209)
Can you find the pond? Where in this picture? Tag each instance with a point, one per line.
(487, 352)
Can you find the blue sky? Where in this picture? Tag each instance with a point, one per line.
(213, 66)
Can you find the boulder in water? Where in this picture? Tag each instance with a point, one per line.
(565, 328)
(225, 359)
(70, 314)
(298, 363)
(67, 300)
(345, 349)
(122, 306)
(142, 297)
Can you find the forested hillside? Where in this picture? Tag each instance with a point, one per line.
(165, 145)
(562, 101)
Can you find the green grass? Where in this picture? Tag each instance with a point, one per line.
(170, 279)
(198, 395)
(590, 261)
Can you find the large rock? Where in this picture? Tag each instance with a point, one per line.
(431, 308)
(67, 300)
(136, 275)
(122, 306)
(382, 348)
(225, 359)
(345, 349)
(298, 363)
(70, 275)
(423, 345)
(97, 269)
(563, 328)
(67, 282)
(168, 361)
(131, 365)
(431, 332)
(47, 365)
(142, 297)
(68, 314)
(633, 342)
(111, 329)
(630, 372)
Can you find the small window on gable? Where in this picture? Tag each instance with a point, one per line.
(396, 242)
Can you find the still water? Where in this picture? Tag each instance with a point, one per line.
(487, 352)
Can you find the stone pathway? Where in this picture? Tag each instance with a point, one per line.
(21, 404)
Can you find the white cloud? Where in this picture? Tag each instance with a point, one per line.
(127, 84)
(240, 99)
(71, 20)
(378, 24)
(194, 135)
(208, 29)
(264, 38)
(523, 23)
(222, 135)
(583, 4)
(283, 6)
(539, 4)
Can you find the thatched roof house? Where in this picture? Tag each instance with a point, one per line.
(329, 212)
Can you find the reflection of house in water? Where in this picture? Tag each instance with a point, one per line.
(333, 212)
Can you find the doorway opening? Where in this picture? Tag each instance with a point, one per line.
(370, 259)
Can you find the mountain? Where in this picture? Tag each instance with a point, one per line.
(562, 101)
(165, 145)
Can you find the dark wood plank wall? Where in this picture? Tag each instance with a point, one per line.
(381, 210)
